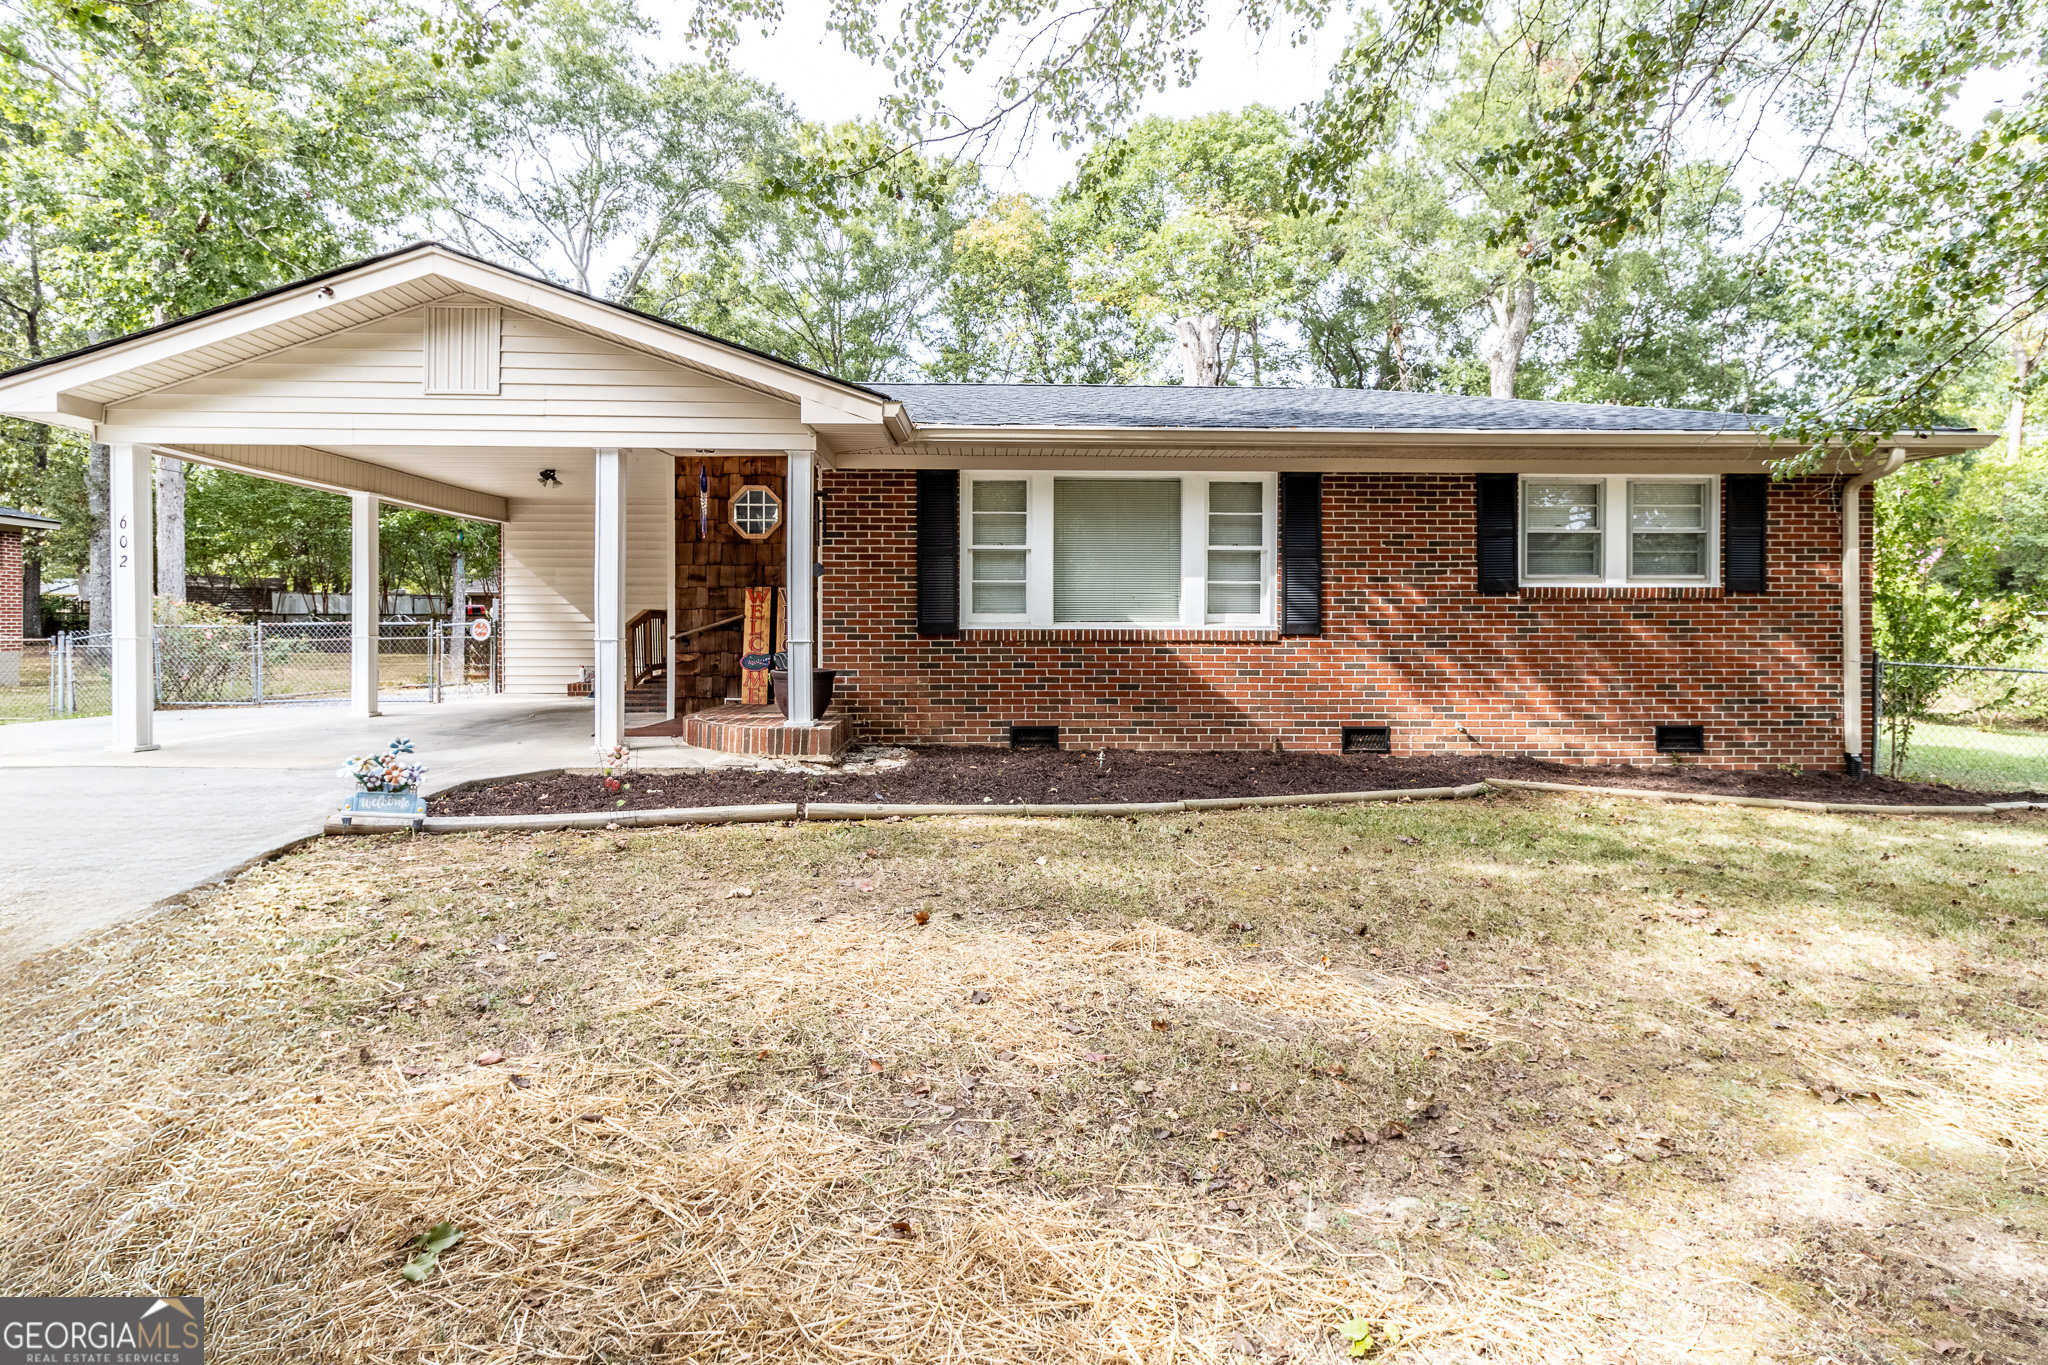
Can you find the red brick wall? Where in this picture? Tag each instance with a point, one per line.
(10, 587)
(1574, 675)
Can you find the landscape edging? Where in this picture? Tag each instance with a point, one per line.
(842, 810)
(1769, 802)
(624, 819)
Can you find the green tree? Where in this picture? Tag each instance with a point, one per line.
(582, 159)
(1012, 314)
(1187, 227)
(849, 284)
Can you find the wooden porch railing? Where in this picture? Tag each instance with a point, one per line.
(647, 647)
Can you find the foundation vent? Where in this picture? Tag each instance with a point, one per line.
(1034, 736)
(1681, 739)
(1368, 739)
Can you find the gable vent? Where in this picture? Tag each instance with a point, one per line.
(462, 350)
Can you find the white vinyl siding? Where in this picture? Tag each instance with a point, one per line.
(461, 346)
(1100, 551)
(548, 553)
(1617, 529)
(555, 386)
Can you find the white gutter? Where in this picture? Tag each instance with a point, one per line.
(1852, 606)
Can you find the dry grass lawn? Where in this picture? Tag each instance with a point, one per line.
(1522, 1079)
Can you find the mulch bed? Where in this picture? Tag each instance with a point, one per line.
(964, 776)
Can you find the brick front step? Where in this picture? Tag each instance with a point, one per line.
(737, 729)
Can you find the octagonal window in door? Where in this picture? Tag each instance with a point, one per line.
(755, 512)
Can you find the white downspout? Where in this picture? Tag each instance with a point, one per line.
(1852, 606)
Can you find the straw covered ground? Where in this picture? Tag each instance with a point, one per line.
(1527, 1079)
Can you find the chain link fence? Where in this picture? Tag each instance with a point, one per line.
(1965, 725)
(70, 674)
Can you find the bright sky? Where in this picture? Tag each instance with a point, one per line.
(827, 85)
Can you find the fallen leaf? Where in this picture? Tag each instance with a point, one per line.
(1406, 839)
(924, 917)
(1040, 860)
(430, 1244)
(526, 999)
(1189, 1259)
(874, 1067)
(1393, 1130)
(412, 1071)
(547, 957)
(491, 1058)
(979, 997)
(1219, 1135)
(523, 1082)
(899, 1229)
(740, 893)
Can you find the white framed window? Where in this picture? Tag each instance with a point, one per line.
(1616, 529)
(1114, 550)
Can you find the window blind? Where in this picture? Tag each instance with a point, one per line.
(1116, 550)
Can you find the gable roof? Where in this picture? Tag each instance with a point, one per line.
(77, 387)
(399, 253)
(1272, 409)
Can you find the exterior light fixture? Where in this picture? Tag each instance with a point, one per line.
(548, 479)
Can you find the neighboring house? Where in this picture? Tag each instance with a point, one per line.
(1156, 567)
(13, 522)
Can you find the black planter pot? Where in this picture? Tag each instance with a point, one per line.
(821, 690)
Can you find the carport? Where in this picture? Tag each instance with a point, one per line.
(428, 378)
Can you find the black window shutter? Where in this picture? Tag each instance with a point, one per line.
(1301, 554)
(938, 552)
(1745, 505)
(1497, 497)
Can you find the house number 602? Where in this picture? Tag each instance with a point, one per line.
(123, 542)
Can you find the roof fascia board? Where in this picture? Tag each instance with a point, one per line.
(229, 325)
(29, 521)
(1334, 460)
(1918, 443)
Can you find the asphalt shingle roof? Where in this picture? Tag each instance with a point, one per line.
(1175, 406)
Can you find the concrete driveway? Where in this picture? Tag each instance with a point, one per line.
(88, 837)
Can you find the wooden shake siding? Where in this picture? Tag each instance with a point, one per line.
(548, 549)
(367, 385)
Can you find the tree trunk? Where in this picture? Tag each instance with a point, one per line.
(32, 595)
(2024, 358)
(96, 588)
(1201, 349)
(170, 528)
(1514, 312)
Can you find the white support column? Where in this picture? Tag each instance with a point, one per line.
(131, 525)
(608, 596)
(797, 518)
(366, 598)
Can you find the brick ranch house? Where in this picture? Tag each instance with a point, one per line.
(1140, 567)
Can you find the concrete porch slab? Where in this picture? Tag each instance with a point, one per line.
(756, 731)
